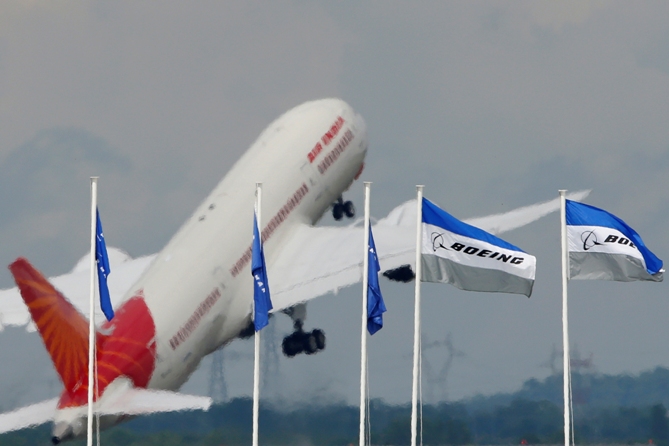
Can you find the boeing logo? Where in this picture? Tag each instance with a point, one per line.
(438, 243)
(589, 239)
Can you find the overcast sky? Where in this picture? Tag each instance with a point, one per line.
(491, 105)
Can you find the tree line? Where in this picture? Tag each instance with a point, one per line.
(616, 410)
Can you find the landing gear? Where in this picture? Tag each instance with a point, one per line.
(319, 336)
(300, 341)
(349, 209)
(341, 208)
(303, 342)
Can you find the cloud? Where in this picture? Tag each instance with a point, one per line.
(556, 15)
(46, 193)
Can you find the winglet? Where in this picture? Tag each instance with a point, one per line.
(63, 329)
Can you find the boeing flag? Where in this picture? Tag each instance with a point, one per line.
(470, 258)
(102, 261)
(375, 305)
(603, 247)
(262, 303)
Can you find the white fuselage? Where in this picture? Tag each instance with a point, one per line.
(199, 290)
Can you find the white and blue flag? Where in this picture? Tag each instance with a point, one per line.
(102, 262)
(470, 258)
(603, 247)
(262, 303)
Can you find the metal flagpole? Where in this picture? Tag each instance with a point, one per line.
(565, 324)
(256, 353)
(91, 319)
(416, 317)
(363, 334)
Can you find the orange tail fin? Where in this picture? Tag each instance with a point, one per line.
(63, 329)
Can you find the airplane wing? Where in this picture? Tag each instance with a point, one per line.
(75, 285)
(316, 260)
(321, 260)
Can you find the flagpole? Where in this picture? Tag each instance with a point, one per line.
(91, 318)
(565, 325)
(363, 334)
(416, 316)
(256, 353)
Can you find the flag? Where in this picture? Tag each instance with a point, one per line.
(261, 300)
(470, 258)
(603, 247)
(102, 261)
(375, 305)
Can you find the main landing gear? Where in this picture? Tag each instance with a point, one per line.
(341, 208)
(300, 341)
(303, 342)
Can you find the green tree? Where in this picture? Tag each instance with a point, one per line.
(659, 425)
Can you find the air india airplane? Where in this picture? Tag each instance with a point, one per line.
(195, 296)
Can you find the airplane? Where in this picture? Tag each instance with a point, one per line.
(195, 296)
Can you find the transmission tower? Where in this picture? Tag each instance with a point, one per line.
(218, 389)
(436, 379)
(270, 359)
(578, 363)
(551, 363)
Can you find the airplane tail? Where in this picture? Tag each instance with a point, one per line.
(63, 329)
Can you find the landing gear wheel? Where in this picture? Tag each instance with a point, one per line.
(320, 338)
(337, 211)
(349, 209)
(310, 344)
(292, 345)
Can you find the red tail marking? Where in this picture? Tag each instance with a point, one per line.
(131, 347)
(63, 329)
(129, 350)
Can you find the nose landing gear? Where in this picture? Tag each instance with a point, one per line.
(341, 208)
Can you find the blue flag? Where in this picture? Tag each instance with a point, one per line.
(375, 305)
(603, 247)
(102, 262)
(261, 300)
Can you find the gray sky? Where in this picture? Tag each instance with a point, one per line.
(491, 105)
